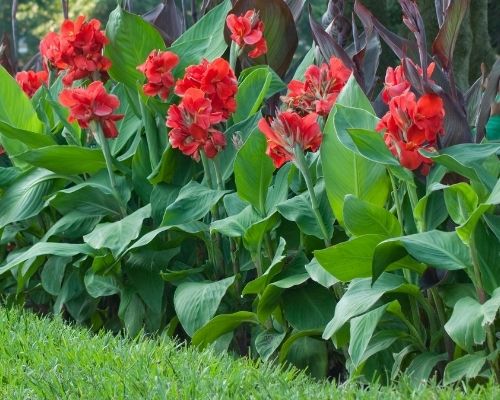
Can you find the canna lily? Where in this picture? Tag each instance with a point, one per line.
(192, 126)
(320, 88)
(92, 104)
(248, 31)
(31, 81)
(289, 131)
(158, 71)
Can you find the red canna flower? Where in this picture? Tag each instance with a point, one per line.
(248, 30)
(396, 83)
(192, 125)
(320, 88)
(92, 104)
(158, 71)
(287, 131)
(411, 125)
(77, 49)
(218, 82)
(30, 81)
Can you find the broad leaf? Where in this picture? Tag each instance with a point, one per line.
(267, 342)
(421, 367)
(196, 302)
(468, 366)
(251, 93)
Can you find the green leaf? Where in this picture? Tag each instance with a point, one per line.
(89, 198)
(362, 330)
(299, 210)
(308, 306)
(53, 274)
(468, 366)
(44, 248)
(361, 295)
(430, 211)
(194, 202)
(220, 325)
(369, 144)
(69, 160)
(358, 176)
(253, 171)
(251, 93)
(236, 225)
(25, 197)
(100, 285)
(362, 217)
(276, 86)
(196, 302)
(267, 342)
(131, 39)
(352, 259)
(487, 251)
(461, 201)
(16, 111)
(254, 235)
(311, 354)
(443, 250)
(468, 322)
(72, 226)
(353, 96)
(467, 159)
(320, 275)
(116, 236)
(31, 140)
(207, 33)
(422, 365)
(272, 294)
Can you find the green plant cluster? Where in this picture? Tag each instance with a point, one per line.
(343, 262)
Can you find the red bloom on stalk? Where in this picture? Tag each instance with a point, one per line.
(320, 88)
(396, 83)
(218, 82)
(77, 49)
(248, 30)
(92, 104)
(30, 81)
(411, 125)
(191, 122)
(287, 131)
(158, 71)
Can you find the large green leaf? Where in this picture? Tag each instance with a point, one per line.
(16, 111)
(461, 201)
(361, 295)
(467, 325)
(70, 160)
(236, 225)
(344, 171)
(352, 259)
(53, 274)
(299, 210)
(30, 139)
(100, 285)
(44, 248)
(194, 202)
(422, 366)
(308, 353)
(25, 197)
(362, 217)
(220, 325)
(116, 236)
(207, 34)
(443, 250)
(253, 171)
(468, 366)
(267, 342)
(279, 31)
(319, 274)
(196, 302)
(251, 93)
(131, 39)
(308, 306)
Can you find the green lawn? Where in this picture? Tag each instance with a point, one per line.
(47, 359)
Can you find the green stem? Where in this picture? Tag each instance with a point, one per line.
(481, 294)
(397, 202)
(301, 164)
(442, 320)
(151, 134)
(98, 132)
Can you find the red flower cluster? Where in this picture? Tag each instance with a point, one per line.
(92, 104)
(320, 89)
(217, 80)
(77, 49)
(30, 81)
(410, 124)
(158, 71)
(287, 131)
(248, 30)
(191, 122)
(396, 83)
